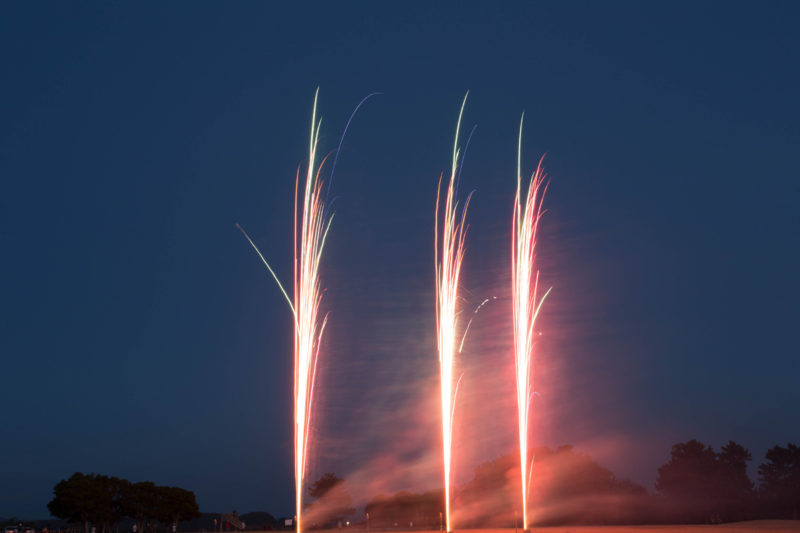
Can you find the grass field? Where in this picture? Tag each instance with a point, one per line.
(766, 526)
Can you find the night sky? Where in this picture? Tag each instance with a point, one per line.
(141, 336)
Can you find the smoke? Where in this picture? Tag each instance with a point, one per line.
(377, 421)
(567, 487)
(334, 505)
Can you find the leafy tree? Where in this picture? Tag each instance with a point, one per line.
(688, 480)
(332, 500)
(707, 486)
(140, 501)
(780, 480)
(570, 474)
(104, 501)
(735, 487)
(324, 485)
(89, 499)
(566, 487)
(107, 511)
(176, 505)
(689, 470)
(76, 499)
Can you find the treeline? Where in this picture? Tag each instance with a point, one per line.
(103, 501)
(696, 485)
(704, 485)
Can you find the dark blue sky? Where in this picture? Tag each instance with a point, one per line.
(141, 337)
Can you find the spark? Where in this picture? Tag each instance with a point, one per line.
(449, 253)
(311, 227)
(525, 309)
(466, 330)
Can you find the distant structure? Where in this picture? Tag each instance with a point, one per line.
(232, 519)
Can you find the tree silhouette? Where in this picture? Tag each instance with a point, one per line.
(140, 502)
(780, 480)
(332, 501)
(704, 486)
(323, 485)
(75, 499)
(104, 501)
(566, 487)
(735, 487)
(176, 505)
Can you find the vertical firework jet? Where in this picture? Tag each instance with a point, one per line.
(525, 309)
(449, 252)
(309, 323)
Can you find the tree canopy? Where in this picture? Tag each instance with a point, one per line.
(104, 501)
(332, 502)
(780, 480)
(707, 486)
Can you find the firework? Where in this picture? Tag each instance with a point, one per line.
(525, 309)
(310, 230)
(449, 252)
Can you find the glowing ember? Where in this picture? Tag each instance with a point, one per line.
(524, 286)
(449, 252)
(308, 323)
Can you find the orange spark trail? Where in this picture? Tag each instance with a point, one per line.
(311, 229)
(525, 309)
(449, 252)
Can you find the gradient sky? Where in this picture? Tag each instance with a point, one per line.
(141, 337)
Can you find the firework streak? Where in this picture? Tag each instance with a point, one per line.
(309, 324)
(525, 309)
(449, 252)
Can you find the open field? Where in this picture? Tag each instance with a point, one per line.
(766, 526)
(771, 526)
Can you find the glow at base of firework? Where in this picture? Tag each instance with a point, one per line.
(310, 231)
(449, 253)
(525, 308)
